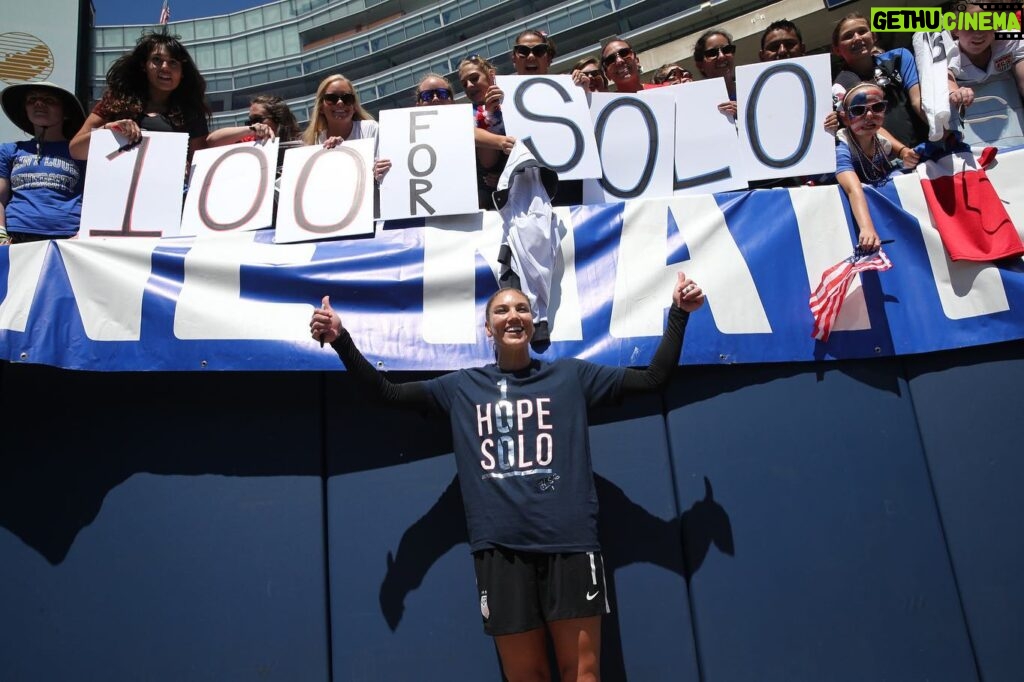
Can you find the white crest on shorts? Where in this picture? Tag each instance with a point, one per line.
(484, 610)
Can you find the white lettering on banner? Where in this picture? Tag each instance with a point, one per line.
(26, 266)
(826, 239)
(643, 277)
(966, 289)
(210, 305)
(108, 278)
(450, 248)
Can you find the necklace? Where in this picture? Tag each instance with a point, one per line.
(874, 168)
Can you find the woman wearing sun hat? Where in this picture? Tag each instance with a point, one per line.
(40, 184)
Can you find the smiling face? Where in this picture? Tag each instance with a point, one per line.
(621, 66)
(333, 107)
(163, 71)
(719, 64)
(976, 44)
(510, 321)
(525, 57)
(44, 108)
(854, 40)
(475, 80)
(857, 112)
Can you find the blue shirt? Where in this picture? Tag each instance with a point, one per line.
(46, 188)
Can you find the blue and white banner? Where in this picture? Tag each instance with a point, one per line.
(413, 294)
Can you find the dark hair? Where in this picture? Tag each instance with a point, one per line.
(281, 115)
(781, 25)
(839, 25)
(128, 86)
(544, 38)
(661, 75)
(490, 301)
(702, 42)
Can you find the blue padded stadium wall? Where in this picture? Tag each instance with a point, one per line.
(855, 520)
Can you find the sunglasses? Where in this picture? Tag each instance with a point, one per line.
(713, 52)
(875, 108)
(623, 54)
(443, 94)
(525, 51)
(346, 98)
(592, 73)
(678, 75)
(253, 120)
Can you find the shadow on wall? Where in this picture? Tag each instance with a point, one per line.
(679, 545)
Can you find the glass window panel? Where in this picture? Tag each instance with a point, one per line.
(223, 54)
(469, 7)
(293, 71)
(431, 22)
(239, 55)
(237, 23)
(396, 35)
(243, 81)
(113, 37)
(203, 54)
(257, 48)
(360, 49)
(559, 23)
(275, 43)
(253, 19)
(378, 43)
(186, 30)
(405, 81)
(204, 28)
(221, 26)
(414, 29)
(271, 14)
(450, 15)
(580, 16)
(99, 64)
(291, 40)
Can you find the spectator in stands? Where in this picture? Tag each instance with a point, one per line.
(338, 116)
(586, 73)
(781, 40)
(477, 75)
(986, 85)
(155, 87)
(532, 53)
(434, 89)
(274, 111)
(621, 65)
(714, 53)
(895, 71)
(672, 74)
(40, 183)
(862, 155)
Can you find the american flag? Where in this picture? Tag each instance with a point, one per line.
(165, 13)
(828, 298)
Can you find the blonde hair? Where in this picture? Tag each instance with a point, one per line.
(318, 122)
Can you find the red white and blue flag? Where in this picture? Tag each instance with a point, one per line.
(165, 13)
(827, 299)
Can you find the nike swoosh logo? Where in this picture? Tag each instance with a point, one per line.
(590, 597)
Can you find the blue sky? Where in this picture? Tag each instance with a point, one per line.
(112, 12)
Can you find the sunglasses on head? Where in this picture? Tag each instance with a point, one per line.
(861, 109)
(712, 52)
(443, 94)
(346, 98)
(524, 51)
(623, 54)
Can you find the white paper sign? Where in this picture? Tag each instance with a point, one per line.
(707, 148)
(232, 189)
(634, 133)
(432, 155)
(782, 106)
(326, 192)
(551, 116)
(137, 191)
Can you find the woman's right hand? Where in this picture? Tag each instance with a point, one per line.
(332, 142)
(325, 326)
(126, 128)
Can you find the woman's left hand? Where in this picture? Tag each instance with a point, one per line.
(332, 142)
(493, 98)
(380, 169)
(686, 294)
(728, 108)
(261, 131)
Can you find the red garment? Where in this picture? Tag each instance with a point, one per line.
(966, 209)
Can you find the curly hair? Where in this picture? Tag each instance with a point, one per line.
(128, 86)
(281, 115)
(317, 121)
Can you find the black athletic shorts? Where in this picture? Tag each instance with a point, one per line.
(520, 591)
